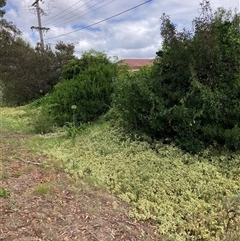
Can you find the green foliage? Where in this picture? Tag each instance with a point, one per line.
(88, 59)
(15, 120)
(42, 122)
(133, 98)
(199, 80)
(192, 95)
(71, 127)
(89, 90)
(231, 211)
(72, 130)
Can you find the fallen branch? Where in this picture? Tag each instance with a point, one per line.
(29, 162)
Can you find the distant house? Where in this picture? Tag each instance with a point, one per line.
(135, 64)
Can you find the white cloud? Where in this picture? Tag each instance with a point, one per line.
(134, 34)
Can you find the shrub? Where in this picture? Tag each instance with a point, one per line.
(90, 91)
(192, 95)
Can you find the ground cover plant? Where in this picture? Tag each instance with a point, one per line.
(191, 197)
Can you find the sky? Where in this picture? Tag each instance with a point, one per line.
(121, 28)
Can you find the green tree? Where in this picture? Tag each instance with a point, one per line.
(198, 80)
(28, 73)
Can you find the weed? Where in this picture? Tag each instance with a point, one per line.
(183, 193)
(160, 184)
(4, 193)
(15, 119)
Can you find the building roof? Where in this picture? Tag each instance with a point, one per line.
(135, 64)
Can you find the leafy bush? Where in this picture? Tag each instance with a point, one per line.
(41, 122)
(192, 95)
(90, 91)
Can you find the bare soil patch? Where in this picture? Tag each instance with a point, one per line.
(46, 204)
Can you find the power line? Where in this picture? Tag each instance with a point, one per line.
(135, 35)
(102, 20)
(64, 10)
(82, 16)
(70, 12)
(64, 22)
(109, 27)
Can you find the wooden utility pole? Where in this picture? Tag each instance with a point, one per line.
(39, 28)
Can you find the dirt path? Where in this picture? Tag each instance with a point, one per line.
(45, 204)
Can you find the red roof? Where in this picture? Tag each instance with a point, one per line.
(135, 64)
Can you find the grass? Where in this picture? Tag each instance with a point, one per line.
(190, 197)
(43, 189)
